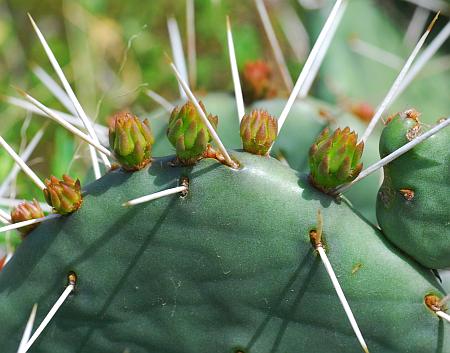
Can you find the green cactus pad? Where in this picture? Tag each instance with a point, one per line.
(229, 267)
(413, 202)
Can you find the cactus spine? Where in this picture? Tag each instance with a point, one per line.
(213, 269)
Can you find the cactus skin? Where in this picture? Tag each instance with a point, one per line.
(412, 205)
(63, 195)
(335, 159)
(24, 212)
(131, 140)
(307, 119)
(258, 131)
(257, 81)
(188, 134)
(214, 272)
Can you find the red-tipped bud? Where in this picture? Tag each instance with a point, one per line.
(363, 110)
(131, 140)
(257, 81)
(335, 159)
(188, 133)
(258, 132)
(2, 262)
(24, 212)
(63, 195)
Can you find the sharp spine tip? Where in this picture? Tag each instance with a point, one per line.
(431, 25)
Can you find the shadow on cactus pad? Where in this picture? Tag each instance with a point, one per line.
(228, 266)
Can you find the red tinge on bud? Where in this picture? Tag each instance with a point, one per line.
(335, 159)
(26, 211)
(363, 110)
(257, 81)
(2, 262)
(258, 132)
(63, 195)
(131, 140)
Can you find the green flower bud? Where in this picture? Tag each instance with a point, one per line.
(63, 195)
(24, 212)
(131, 140)
(257, 81)
(258, 131)
(188, 133)
(335, 160)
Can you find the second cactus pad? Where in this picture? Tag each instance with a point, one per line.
(227, 268)
(414, 201)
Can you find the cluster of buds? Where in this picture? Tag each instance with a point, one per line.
(257, 81)
(63, 195)
(335, 159)
(188, 133)
(26, 211)
(131, 140)
(258, 132)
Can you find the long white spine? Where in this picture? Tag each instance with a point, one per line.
(49, 316)
(235, 73)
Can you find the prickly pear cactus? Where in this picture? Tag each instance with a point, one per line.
(411, 206)
(216, 270)
(227, 264)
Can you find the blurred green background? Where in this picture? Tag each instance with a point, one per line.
(112, 51)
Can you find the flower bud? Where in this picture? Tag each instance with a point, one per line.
(335, 159)
(257, 81)
(362, 110)
(131, 140)
(188, 133)
(258, 131)
(2, 262)
(24, 212)
(63, 195)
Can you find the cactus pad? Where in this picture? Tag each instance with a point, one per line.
(216, 271)
(411, 206)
